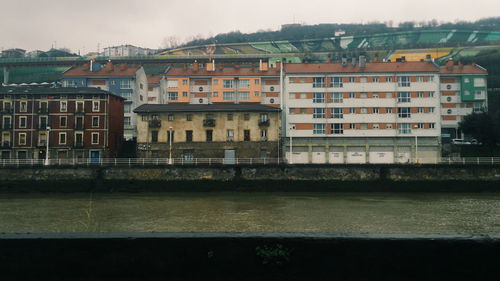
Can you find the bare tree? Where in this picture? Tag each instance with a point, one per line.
(171, 42)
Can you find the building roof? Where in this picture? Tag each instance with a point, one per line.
(154, 80)
(53, 91)
(107, 69)
(451, 69)
(371, 67)
(222, 71)
(215, 107)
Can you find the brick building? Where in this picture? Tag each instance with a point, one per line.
(79, 123)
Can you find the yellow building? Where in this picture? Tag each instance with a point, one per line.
(221, 130)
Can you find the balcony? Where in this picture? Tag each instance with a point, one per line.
(155, 124)
(264, 123)
(6, 144)
(209, 123)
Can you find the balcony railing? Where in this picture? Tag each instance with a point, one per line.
(209, 122)
(155, 124)
(264, 123)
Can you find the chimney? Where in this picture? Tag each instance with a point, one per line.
(362, 62)
(263, 66)
(460, 65)
(450, 64)
(329, 59)
(403, 59)
(353, 61)
(109, 66)
(344, 61)
(375, 58)
(278, 64)
(196, 66)
(428, 58)
(91, 65)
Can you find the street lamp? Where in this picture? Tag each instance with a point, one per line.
(290, 161)
(47, 147)
(170, 145)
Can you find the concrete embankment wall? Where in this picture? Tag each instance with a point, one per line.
(250, 256)
(252, 178)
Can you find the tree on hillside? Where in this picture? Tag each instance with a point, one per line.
(483, 127)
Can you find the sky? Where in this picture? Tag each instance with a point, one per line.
(84, 25)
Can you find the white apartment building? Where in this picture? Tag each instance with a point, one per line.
(377, 112)
(127, 51)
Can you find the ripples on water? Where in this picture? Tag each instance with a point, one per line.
(252, 212)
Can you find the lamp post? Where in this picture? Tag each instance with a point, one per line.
(47, 147)
(291, 143)
(170, 145)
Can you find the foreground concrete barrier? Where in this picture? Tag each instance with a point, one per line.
(248, 256)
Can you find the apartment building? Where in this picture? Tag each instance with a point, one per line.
(79, 123)
(463, 91)
(127, 51)
(200, 83)
(154, 89)
(365, 112)
(127, 81)
(219, 130)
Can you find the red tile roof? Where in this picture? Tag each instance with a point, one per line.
(106, 70)
(223, 71)
(462, 69)
(371, 67)
(154, 79)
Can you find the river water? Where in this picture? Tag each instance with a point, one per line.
(251, 212)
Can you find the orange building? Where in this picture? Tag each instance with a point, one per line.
(199, 83)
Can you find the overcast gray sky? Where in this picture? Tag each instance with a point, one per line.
(83, 24)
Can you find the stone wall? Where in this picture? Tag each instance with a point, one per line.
(253, 178)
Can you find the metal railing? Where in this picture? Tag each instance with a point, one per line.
(226, 161)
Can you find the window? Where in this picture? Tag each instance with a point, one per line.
(244, 83)
(431, 78)
(189, 136)
(319, 82)
(388, 126)
(319, 129)
(352, 110)
(95, 121)
(431, 109)
(126, 121)
(42, 122)
(24, 106)
(337, 82)
(404, 112)
(227, 84)
(352, 126)
(127, 108)
(184, 82)
(63, 121)
(170, 117)
(246, 135)
(420, 94)
(79, 138)
(154, 136)
(479, 82)
(364, 110)
(337, 129)
(420, 125)
(420, 110)
(352, 79)
(449, 111)
(172, 83)
(62, 138)
(466, 80)
(246, 116)
(144, 117)
(404, 81)
(388, 79)
(420, 78)
(256, 81)
(230, 135)
(184, 94)
(125, 84)
(375, 96)
(23, 121)
(318, 97)
(63, 106)
(264, 117)
(209, 135)
(362, 79)
(431, 94)
(388, 109)
(263, 135)
(404, 97)
(256, 93)
(337, 113)
(126, 95)
(352, 95)
(95, 106)
(42, 138)
(229, 116)
(319, 113)
(432, 125)
(363, 95)
(22, 138)
(172, 96)
(189, 117)
(228, 96)
(95, 138)
(337, 98)
(375, 110)
(404, 128)
(215, 94)
(375, 79)
(244, 95)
